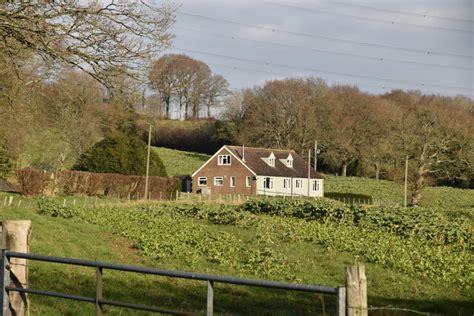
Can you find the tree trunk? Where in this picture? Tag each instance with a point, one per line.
(377, 170)
(418, 186)
(344, 170)
(167, 109)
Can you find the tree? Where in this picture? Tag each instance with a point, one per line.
(93, 36)
(122, 154)
(186, 82)
(286, 113)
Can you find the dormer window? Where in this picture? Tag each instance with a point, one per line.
(289, 161)
(271, 160)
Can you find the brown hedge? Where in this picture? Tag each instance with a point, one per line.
(41, 182)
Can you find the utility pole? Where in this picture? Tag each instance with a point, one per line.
(315, 155)
(147, 163)
(406, 182)
(309, 170)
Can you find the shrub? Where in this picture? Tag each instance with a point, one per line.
(32, 182)
(121, 154)
(5, 164)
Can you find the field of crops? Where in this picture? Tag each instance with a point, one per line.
(260, 238)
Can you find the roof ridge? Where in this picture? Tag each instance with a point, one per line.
(260, 148)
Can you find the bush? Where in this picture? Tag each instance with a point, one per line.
(32, 182)
(5, 164)
(121, 154)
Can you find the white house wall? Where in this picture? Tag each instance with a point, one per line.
(279, 190)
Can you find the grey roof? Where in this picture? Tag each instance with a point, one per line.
(253, 159)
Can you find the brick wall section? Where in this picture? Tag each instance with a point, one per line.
(236, 169)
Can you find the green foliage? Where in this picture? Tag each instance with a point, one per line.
(422, 245)
(5, 164)
(179, 162)
(122, 154)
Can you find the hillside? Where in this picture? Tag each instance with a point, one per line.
(178, 162)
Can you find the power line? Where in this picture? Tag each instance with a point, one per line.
(413, 14)
(288, 75)
(323, 71)
(351, 16)
(378, 59)
(334, 39)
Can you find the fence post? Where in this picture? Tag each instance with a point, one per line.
(356, 285)
(17, 235)
(210, 298)
(341, 301)
(4, 273)
(98, 291)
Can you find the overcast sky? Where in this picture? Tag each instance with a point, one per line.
(377, 45)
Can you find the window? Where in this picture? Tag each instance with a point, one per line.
(271, 160)
(224, 160)
(268, 183)
(299, 184)
(315, 185)
(286, 183)
(218, 181)
(202, 181)
(248, 181)
(233, 181)
(289, 161)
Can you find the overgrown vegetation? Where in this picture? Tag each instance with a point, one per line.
(5, 164)
(422, 244)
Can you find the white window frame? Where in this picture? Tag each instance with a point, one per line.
(316, 186)
(223, 160)
(248, 182)
(271, 162)
(287, 183)
(289, 163)
(233, 181)
(200, 179)
(216, 179)
(298, 184)
(270, 183)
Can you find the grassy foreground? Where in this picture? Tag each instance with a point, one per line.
(300, 261)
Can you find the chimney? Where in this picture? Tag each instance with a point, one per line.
(243, 152)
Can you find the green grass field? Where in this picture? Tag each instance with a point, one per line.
(179, 162)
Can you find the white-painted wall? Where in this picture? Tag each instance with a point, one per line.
(278, 188)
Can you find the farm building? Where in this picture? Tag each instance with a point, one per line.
(257, 171)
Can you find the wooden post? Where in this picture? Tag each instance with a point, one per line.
(17, 238)
(5, 201)
(177, 195)
(406, 184)
(356, 284)
(10, 201)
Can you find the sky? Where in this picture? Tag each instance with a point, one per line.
(377, 45)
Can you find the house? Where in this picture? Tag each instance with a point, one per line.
(257, 171)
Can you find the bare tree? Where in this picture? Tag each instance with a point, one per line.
(187, 82)
(94, 36)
